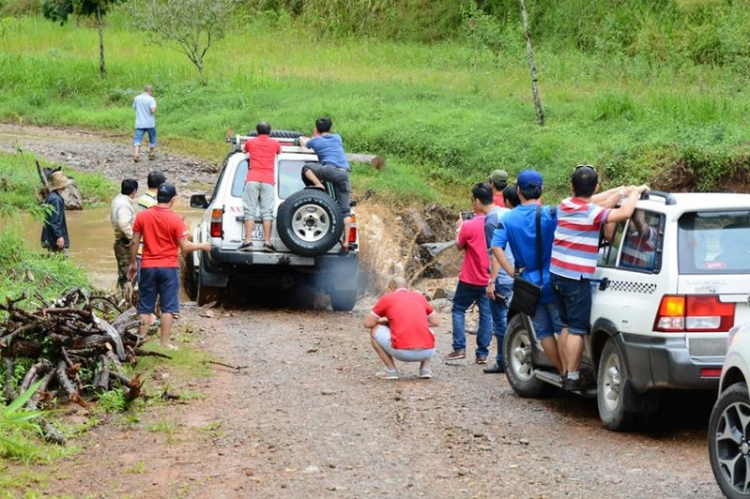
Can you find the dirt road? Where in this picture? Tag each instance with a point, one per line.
(306, 418)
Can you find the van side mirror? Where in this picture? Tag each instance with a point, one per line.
(198, 201)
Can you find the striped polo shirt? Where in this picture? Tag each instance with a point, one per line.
(576, 243)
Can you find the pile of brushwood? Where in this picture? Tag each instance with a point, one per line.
(70, 348)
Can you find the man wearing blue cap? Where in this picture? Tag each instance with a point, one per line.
(519, 230)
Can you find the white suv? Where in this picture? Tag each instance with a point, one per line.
(672, 283)
(729, 426)
(307, 231)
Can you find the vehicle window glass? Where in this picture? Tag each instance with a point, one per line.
(715, 242)
(610, 245)
(290, 177)
(238, 184)
(640, 243)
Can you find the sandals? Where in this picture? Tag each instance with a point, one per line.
(386, 373)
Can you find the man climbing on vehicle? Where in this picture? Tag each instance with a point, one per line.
(259, 184)
(333, 167)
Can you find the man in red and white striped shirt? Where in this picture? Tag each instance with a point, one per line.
(574, 252)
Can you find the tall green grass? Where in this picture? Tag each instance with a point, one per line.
(444, 114)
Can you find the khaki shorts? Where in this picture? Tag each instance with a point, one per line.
(258, 195)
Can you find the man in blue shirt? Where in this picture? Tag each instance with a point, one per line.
(499, 290)
(520, 232)
(333, 167)
(145, 108)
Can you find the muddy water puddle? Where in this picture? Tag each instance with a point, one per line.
(91, 241)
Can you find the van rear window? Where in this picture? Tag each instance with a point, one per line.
(714, 242)
(289, 176)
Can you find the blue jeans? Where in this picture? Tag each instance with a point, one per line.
(546, 321)
(500, 317)
(573, 303)
(140, 132)
(163, 282)
(466, 295)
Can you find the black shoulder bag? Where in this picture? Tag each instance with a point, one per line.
(526, 294)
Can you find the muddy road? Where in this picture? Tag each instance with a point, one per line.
(305, 417)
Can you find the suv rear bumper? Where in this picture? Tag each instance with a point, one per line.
(264, 269)
(666, 363)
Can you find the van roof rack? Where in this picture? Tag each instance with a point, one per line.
(669, 199)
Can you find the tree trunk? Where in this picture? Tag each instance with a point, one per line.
(100, 25)
(532, 66)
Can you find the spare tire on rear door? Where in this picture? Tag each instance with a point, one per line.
(309, 222)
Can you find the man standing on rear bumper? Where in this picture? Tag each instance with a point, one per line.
(333, 167)
(163, 233)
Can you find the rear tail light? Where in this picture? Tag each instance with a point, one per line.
(700, 313)
(216, 216)
(353, 229)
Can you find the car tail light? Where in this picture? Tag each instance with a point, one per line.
(711, 372)
(216, 216)
(353, 229)
(695, 313)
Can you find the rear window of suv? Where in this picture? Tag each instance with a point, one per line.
(290, 178)
(714, 242)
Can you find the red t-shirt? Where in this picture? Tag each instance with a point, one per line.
(262, 152)
(407, 313)
(476, 264)
(161, 228)
(499, 200)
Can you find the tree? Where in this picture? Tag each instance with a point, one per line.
(532, 65)
(194, 25)
(60, 11)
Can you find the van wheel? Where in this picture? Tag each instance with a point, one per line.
(343, 301)
(206, 294)
(519, 365)
(611, 393)
(728, 436)
(309, 222)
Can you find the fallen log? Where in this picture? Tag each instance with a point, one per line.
(374, 160)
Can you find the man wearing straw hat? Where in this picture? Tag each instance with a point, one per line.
(55, 229)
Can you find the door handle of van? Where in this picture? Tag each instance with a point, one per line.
(603, 284)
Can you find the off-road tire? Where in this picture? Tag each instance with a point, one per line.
(611, 391)
(343, 301)
(519, 365)
(309, 222)
(206, 294)
(724, 429)
(279, 134)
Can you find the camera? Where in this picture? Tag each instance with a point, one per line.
(467, 215)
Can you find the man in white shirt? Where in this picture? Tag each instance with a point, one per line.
(145, 108)
(122, 217)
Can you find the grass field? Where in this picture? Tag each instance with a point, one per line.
(444, 114)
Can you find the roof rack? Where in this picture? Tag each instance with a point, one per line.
(668, 198)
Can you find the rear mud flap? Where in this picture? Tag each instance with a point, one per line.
(641, 403)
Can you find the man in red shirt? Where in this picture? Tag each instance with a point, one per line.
(473, 278)
(260, 184)
(163, 233)
(400, 329)
(498, 181)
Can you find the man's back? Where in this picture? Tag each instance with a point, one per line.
(262, 151)
(146, 201)
(161, 229)
(576, 243)
(329, 149)
(475, 266)
(143, 104)
(407, 313)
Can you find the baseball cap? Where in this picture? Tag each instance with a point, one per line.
(499, 177)
(165, 193)
(529, 178)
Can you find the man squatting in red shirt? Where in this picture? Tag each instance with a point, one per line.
(400, 329)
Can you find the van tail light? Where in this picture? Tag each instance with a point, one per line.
(694, 313)
(353, 229)
(216, 216)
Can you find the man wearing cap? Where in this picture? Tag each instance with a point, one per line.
(55, 229)
(164, 234)
(519, 232)
(498, 181)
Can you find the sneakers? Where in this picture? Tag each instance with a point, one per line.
(494, 369)
(481, 360)
(456, 355)
(386, 373)
(425, 373)
(572, 385)
(245, 247)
